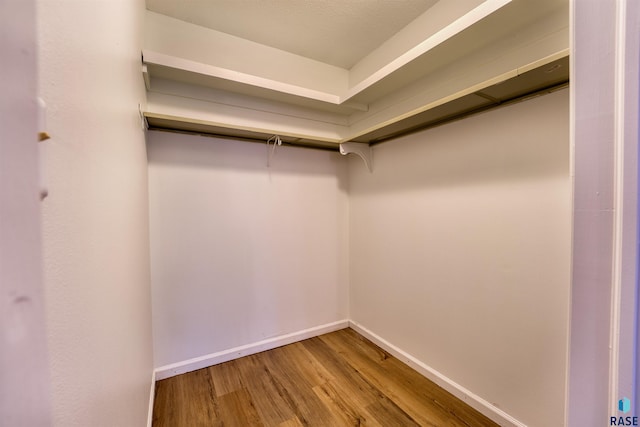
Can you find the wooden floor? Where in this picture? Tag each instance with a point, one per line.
(337, 379)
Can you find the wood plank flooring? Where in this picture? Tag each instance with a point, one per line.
(337, 379)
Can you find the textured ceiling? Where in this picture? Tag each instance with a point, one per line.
(337, 32)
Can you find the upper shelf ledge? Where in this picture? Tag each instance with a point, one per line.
(183, 59)
(473, 58)
(180, 69)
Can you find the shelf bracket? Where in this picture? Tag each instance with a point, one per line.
(361, 149)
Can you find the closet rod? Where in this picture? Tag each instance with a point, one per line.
(312, 146)
(464, 114)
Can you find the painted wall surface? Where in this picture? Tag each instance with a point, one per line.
(241, 252)
(460, 248)
(24, 368)
(95, 220)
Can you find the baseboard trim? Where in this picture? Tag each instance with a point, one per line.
(471, 399)
(152, 396)
(174, 369)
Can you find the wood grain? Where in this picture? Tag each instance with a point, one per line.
(337, 379)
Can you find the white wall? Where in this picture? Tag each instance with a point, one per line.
(95, 220)
(459, 253)
(24, 368)
(241, 252)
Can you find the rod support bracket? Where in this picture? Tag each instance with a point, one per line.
(360, 149)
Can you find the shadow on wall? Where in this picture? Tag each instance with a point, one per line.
(468, 152)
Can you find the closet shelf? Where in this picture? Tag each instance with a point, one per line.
(482, 56)
(544, 76)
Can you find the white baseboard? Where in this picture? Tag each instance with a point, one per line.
(471, 399)
(174, 369)
(152, 395)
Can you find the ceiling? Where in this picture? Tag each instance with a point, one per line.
(336, 32)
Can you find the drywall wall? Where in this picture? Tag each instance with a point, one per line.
(24, 368)
(241, 252)
(95, 219)
(460, 248)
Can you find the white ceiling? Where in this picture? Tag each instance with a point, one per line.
(336, 32)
